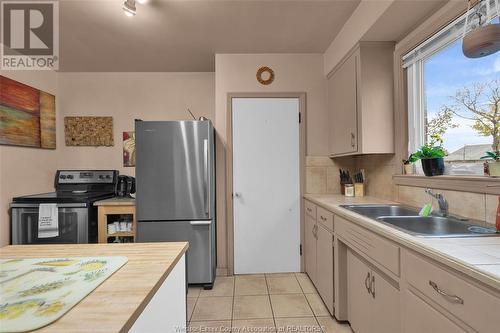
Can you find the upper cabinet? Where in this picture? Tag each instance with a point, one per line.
(360, 101)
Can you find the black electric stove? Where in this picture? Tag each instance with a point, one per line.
(75, 193)
(55, 197)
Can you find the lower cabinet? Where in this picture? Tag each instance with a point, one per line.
(318, 252)
(310, 247)
(324, 263)
(419, 316)
(373, 302)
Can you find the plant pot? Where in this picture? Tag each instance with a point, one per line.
(408, 169)
(433, 166)
(494, 168)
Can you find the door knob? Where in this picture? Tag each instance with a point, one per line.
(237, 195)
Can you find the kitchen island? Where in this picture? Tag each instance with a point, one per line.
(147, 294)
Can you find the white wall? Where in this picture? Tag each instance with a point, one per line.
(293, 73)
(26, 170)
(125, 97)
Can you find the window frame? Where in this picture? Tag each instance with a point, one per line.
(413, 64)
(474, 184)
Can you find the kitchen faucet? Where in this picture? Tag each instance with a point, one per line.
(443, 204)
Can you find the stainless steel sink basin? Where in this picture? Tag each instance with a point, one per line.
(436, 226)
(407, 219)
(374, 211)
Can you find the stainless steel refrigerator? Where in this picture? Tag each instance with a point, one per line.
(175, 184)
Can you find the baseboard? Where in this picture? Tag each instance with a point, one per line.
(221, 272)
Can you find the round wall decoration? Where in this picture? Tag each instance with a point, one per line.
(265, 75)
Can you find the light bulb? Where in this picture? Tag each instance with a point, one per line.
(129, 8)
(142, 2)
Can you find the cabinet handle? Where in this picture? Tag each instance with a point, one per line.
(353, 140)
(372, 286)
(451, 298)
(367, 282)
(322, 218)
(309, 210)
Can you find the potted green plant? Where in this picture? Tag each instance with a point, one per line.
(408, 164)
(431, 155)
(493, 167)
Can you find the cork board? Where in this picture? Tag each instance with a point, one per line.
(88, 131)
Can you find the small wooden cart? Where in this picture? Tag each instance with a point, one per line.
(115, 206)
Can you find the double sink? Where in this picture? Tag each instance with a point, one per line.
(407, 220)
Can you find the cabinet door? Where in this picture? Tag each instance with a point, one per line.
(385, 312)
(310, 247)
(359, 298)
(342, 106)
(420, 317)
(325, 266)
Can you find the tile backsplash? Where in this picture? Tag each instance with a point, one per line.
(322, 174)
(322, 177)
(476, 206)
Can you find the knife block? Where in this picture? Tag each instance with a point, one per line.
(359, 189)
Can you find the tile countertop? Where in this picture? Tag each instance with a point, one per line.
(477, 257)
(115, 304)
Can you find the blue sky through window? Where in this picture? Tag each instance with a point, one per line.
(448, 71)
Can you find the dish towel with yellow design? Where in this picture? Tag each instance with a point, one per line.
(36, 292)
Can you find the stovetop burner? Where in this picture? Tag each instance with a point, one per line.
(77, 186)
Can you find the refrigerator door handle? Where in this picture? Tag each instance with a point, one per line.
(205, 163)
(200, 222)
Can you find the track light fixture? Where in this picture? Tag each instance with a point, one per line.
(129, 8)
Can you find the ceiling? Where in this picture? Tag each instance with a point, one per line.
(401, 18)
(184, 35)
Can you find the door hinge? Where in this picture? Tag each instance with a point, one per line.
(300, 117)
(300, 249)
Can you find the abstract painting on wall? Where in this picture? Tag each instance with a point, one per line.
(27, 115)
(128, 149)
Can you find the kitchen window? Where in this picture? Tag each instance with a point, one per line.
(452, 99)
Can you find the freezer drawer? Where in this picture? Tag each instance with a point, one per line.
(199, 234)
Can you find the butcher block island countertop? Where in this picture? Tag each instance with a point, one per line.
(115, 305)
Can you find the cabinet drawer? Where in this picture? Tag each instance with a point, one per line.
(310, 209)
(325, 218)
(379, 249)
(471, 304)
(421, 317)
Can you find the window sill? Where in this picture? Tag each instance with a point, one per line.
(475, 184)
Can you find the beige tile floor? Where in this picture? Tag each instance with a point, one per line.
(260, 303)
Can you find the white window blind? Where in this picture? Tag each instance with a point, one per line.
(452, 32)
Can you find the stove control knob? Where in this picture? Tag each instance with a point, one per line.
(108, 177)
(62, 176)
(70, 176)
(101, 177)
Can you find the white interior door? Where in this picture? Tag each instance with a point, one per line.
(266, 185)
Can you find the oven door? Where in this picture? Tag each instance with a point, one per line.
(73, 224)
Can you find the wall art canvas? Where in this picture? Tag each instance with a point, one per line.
(27, 115)
(88, 131)
(129, 149)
